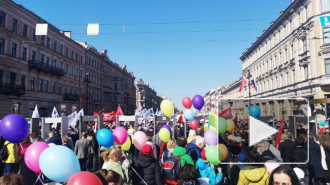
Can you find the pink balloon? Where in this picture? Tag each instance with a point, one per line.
(271, 165)
(120, 135)
(186, 102)
(193, 124)
(211, 137)
(32, 155)
(139, 139)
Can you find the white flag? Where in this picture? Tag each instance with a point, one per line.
(151, 111)
(72, 119)
(35, 113)
(80, 113)
(54, 115)
(138, 112)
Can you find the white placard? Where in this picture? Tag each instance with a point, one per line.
(41, 29)
(93, 29)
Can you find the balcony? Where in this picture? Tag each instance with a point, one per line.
(70, 97)
(10, 89)
(40, 66)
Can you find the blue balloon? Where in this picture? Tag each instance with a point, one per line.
(59, 163)
(189, 114)
(105, 137)
(254, 111)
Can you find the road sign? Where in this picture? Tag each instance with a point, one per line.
(325, 21)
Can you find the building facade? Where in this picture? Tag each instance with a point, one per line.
(50, 70)
(147, 97)
(291, 59)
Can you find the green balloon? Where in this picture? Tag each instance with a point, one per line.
(221, 125)
(212, 119)
(213, 154)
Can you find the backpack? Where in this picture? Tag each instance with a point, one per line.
(3, 152)
(172, 170)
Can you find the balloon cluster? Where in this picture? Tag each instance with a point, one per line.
(198, 103)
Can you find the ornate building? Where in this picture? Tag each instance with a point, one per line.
(290, 59)
(146, 96)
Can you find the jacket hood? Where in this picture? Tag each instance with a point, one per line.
(191, 146)
(254, 174)
(145, 161)
(201, 164)
(178, 151)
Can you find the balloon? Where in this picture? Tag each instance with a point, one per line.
(254, 111)
(186, 102)
(84, 178)
(168, 128)
(164, 135)
(189, 114)
(190, 138)
(120, 135)
(193, 124)
(198, 102)
(213, 128)
(271, 166)
(139, 139)
(32, 155)
(206, 127)
(127, 145)
(231, 125)
(212, 119)
(104, 137)
(221, 125)
(14, 128)
(224, 151)
(59, 163)
(167, 108)
(211, 137)
(213, 154)
(213, 112)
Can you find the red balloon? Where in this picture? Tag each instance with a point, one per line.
(186, 102)
(193, 124)
(84, 178)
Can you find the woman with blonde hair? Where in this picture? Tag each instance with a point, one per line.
(111, 158)
(171, 144)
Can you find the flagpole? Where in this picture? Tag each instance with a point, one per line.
(248, 76)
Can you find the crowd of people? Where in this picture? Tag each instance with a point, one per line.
(183, 161)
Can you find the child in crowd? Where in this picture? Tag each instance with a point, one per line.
(188, 175)
(205, 170)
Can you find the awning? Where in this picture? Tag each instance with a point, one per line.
(313, 101)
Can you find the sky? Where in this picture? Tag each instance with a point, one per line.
(180, 47)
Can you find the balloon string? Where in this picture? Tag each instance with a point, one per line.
(40, 175)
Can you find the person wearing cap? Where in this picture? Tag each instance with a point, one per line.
(205, 170)
(146, 168)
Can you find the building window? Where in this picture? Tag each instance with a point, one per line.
(1, 76)
(325, 5)
(326, 35)
(25, 30)
(14, 50)
(67, 68)
(46, 86)
(55, 46)
(33, 56)
(60, 88)
(23, 77)
(55, 63)
(61, 50)
(72, 70)
(2, 19)
(42, 58)
(304, 45)
(41, 83)
(327, 66)
(34, 37)
(15, 25)
(48, 42)
(24, 53)
(72, 53)
(306, 72)
(67, 52)
(77, 72)
(71, 90)
(12, 78)
(54, 87)
(33, 84)
(43, 40)
(77, 57)
(62, 66)
(293, 77)
(47, 61)
(66, 89)
(2, 46)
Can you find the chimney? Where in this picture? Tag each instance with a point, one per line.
(67, 33)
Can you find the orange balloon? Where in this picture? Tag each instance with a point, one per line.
(224, 151)
(231, 125)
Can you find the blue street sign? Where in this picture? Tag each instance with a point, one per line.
(325, 21)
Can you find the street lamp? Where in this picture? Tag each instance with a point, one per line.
(87, 81)
(248, 76)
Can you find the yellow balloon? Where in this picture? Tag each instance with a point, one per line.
(164, 135)
(127, 145)
(224, 151)
(213, 112)
(190, 138)
(206, 127)
(213, 128)
(167, 108)
(212, 119)
(231, 125)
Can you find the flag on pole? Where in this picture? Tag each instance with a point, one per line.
(279, 134)
(54, 115)
(90, 97)
(242, 84)
(35, 113)
(148, 113)
(253, 82)
(72, 119)
(235, 119)
(138, 112)
(83, 101)
(156, 114)
(80, 113)
(226, 113)
(119, 112)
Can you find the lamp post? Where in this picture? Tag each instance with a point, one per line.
(248, 76)
(87, 81)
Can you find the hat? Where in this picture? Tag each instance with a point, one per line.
(146, 149)
(300, 174)
(241, 157)
(203, 154)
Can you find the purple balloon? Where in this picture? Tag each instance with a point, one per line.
(198, 102)
(168, 128)
(14, 128)
(211, 137)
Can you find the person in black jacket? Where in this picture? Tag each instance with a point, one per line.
(315, 168)
(266, 154)
(146, 169)
(300, 156)
(286, 148)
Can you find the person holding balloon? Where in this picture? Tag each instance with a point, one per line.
(206, 171)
